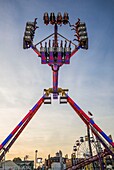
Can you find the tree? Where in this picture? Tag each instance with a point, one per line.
(18, 159)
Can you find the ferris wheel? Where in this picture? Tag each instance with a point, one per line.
(81, 147)
(85, 149)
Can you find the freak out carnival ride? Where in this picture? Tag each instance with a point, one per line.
(55, 53)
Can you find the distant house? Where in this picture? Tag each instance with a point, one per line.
(9, 165)
(26, 165)
(23, 165)
(55, 163)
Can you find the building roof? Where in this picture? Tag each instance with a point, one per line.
(10, 163)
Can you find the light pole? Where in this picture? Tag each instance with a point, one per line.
(97, 146)
(36, 151)
(25, 159)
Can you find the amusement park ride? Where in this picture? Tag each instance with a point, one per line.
(56, 53)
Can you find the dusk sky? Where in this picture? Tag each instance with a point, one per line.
(89, 77)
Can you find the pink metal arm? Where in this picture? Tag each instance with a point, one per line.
(18, 134)
(36, 51)
(29, 115)
(75, 50)
(88, 120)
